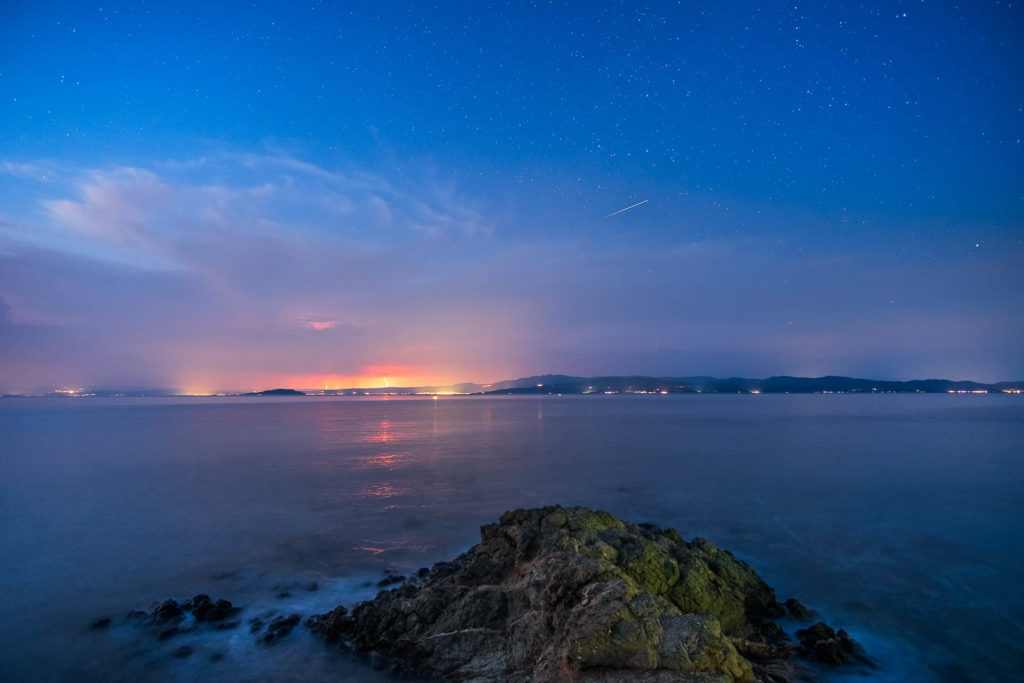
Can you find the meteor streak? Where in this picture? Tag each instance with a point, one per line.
(627, 208)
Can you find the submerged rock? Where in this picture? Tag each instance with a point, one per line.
(184, 651)
(100, 624)
(570, 593)
(279, 628)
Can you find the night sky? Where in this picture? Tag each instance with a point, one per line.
(260, 194)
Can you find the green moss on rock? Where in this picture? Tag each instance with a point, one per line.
(559, 593)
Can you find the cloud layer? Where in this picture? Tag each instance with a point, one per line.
(244, 270)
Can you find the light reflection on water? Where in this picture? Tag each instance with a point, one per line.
(888, 514)
(382, 490)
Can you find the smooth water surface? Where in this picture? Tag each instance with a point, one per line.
(897, 517)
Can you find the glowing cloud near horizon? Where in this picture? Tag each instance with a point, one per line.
(319, 325)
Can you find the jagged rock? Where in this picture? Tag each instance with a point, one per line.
(331, 625)
(279, 628)
(830, 647)
(205, 609)
(797, 610)
(570, 593)
(168, 611)
(390, 580)
(168, 619)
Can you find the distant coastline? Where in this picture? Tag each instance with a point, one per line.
(617, 384)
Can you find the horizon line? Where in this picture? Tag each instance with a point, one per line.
(477, 387)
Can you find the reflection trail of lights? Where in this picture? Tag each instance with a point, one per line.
(382, 490)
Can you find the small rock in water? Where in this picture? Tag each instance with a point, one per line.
(312, 586)
(184, 651)
(205, 609)
(285, 594)
(169, 610)
(169, 633)
(99, 624)
(217, 656)
(168, 619)
(279, 628)
(797, 611)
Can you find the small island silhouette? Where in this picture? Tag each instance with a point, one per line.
(276, 392)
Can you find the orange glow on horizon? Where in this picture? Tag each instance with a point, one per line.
(335, 382)
(372, 377)
(383, 376)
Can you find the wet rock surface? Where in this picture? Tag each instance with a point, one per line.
(390, 580)
(279, 628)
(202, 614)
(831, 647)
(172, 618)
(797, 610)
(555, 593)
(205, 609)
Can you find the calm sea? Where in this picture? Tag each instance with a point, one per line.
(898, 517)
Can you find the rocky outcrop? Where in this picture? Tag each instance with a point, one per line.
(571, 593)
(201, 613)
(171, 618)
(831, 647)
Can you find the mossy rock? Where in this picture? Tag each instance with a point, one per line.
(562, 593)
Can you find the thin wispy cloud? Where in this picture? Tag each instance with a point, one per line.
(237, 268)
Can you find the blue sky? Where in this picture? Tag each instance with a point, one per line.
(217, 197)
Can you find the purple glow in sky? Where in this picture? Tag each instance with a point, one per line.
(228, 198)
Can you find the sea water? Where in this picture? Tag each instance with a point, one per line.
(897, 517)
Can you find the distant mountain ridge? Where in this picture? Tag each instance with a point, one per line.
(771, 385)
(703, 384)
(618, 384)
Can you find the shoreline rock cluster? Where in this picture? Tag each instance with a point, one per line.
(172, 618)
(555, 593)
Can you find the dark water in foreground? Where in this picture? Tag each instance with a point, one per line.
(899, 518)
